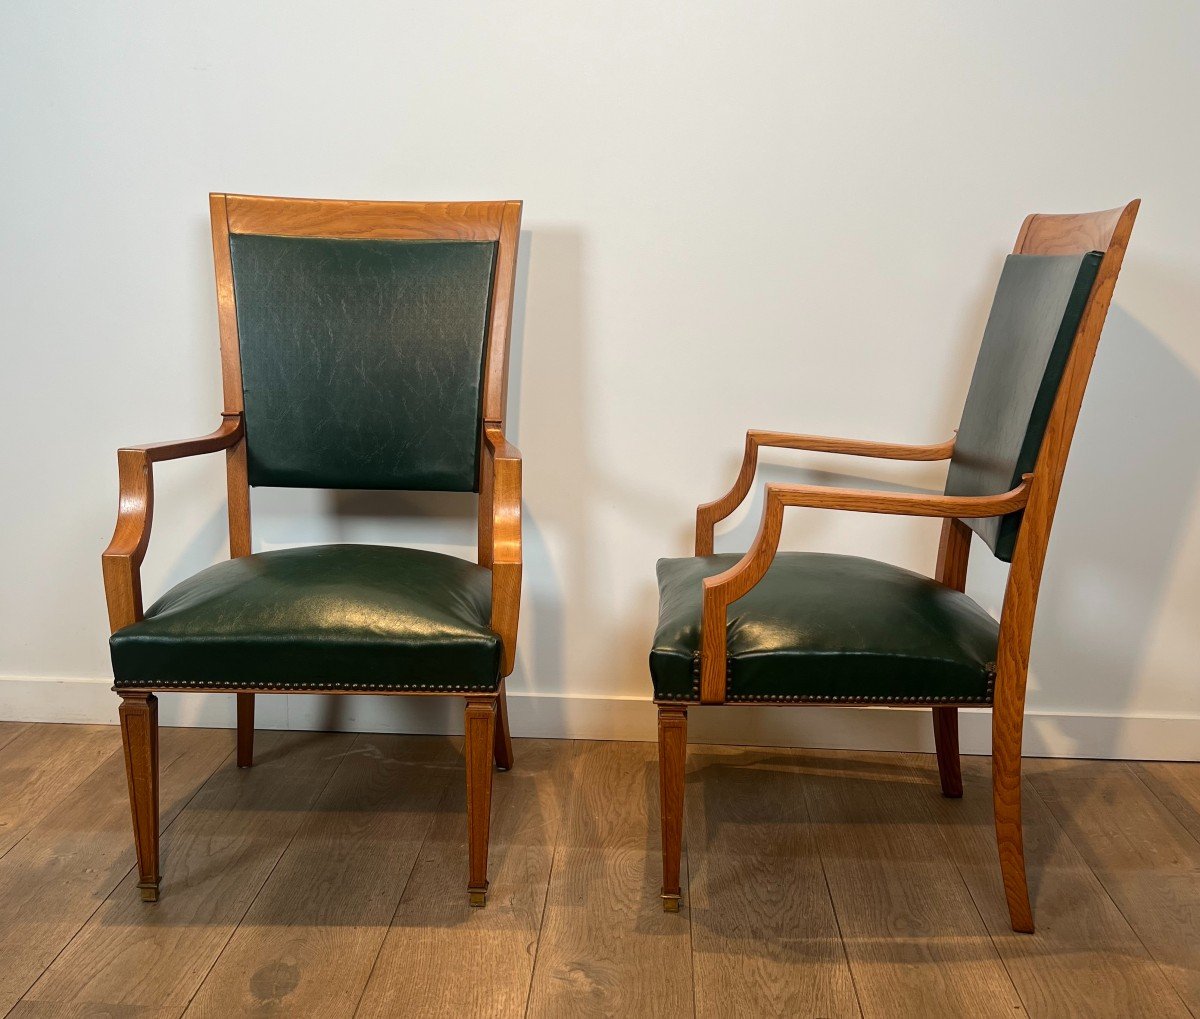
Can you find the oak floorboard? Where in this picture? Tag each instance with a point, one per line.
(1147, 860)
(764, 934)
(1177, 785)
(916, 944)
(606, 947)
(68, 864)
(304, 860)
(307, 944)
(215, 858)
(434, 932)
(90, 1010)
(10, 731)
(40, 766)
(1083, 959)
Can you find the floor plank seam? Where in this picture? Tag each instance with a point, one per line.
(62, 795)
(929, 771)
(1137, 774)
(258, 891)
(829, 894)
(687, 870)
(14, 734)
(400, 899)
(537, 944)
(975, 902)
(121, 880)
(1111, 898)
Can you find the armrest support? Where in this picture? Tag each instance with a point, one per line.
(122, 559)
(708, 515)
(723, 588)
(500, 535)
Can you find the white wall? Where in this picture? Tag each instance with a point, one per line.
(777, 215)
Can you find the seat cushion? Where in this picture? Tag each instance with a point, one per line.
(325, 617)
(827, 628)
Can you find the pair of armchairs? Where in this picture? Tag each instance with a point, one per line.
(365, 345)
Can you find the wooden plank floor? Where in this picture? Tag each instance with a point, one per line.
(329, 880)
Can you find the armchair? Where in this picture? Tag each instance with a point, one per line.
(363, 345)
(792, 628)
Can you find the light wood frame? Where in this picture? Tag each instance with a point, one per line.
(1036, 496)
(499, 531)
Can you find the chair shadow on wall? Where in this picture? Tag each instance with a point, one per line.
(1130, 484)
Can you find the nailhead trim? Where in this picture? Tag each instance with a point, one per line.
(839, 699)
(185, 684)
(731, 697)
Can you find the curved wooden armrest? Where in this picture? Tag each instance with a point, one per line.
(723, 588)
(500, 535)
(708, 515)
(122, 559)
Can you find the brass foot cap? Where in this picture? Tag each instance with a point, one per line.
(478, 896)
(149, 891)
(671, 903)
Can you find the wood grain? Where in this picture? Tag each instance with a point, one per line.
(1147, 861)
(493, 949)
(53, 1010)
(1109, 232)
(479, 751)
(307, 944)
(122, 560)
(321, 217)
(217, 855)
(40, 766)
(607, 948)
(1177, 785)
(78, 853)
(712, 513)
(728, 586)
(954, 551)
(1084, 960)
(1036, 497)
(245, 730)
(139, 736)
(764, 935)
(672, 771)
(10, 731)
(500, 536)
(914, 939)
(1112, 862)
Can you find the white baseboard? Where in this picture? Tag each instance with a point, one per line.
(565, 716)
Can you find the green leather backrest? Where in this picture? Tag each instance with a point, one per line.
(362, 360)
(1035, 314)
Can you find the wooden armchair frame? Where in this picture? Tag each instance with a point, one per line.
(499, 529)
(1036, 496)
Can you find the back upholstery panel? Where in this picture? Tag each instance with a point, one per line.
(362, 360)
(1036, 312)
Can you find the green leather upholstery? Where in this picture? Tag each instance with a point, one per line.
(1035, 314)
(828, 629)
(326, 617)
(362, 360)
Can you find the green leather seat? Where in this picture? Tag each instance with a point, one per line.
(827, 629)
(325, 617)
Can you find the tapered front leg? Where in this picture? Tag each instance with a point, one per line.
(504, 747)
(480, 750)
(245, 730)
(139, 734)
(672, 761)
(945, 738)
